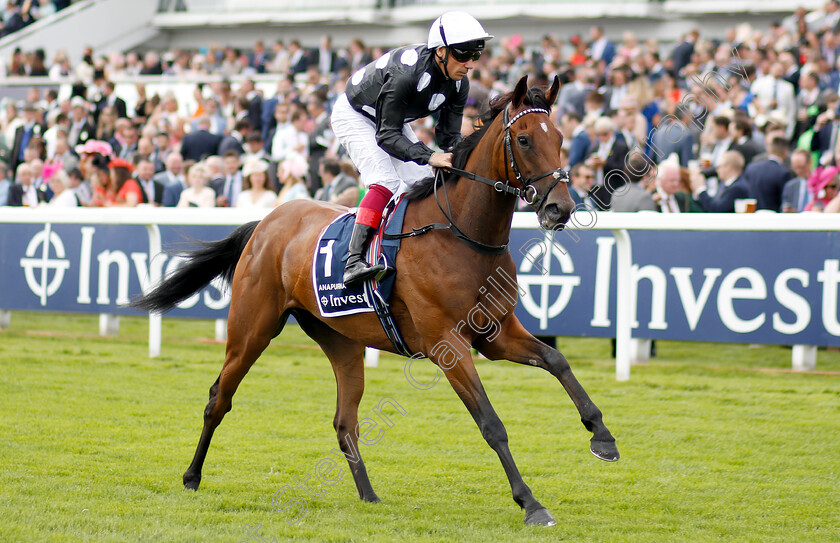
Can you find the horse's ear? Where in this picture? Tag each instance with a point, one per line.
(520, 92)
(552, 92)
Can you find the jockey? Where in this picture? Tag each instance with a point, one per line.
(371, 119)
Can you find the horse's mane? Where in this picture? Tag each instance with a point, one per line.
(535, 97)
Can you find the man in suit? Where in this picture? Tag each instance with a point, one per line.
(254, 99)
(606, 158)
(732, 185)
(795, 195)
(298, 61)
(582, 179)
(669, 196)
(319, 140)
(228, 186)
(575, 133)
(23, 191)
(172, 179)
(234, 141)
(767, 178)
(722, 142)
(827, 125)
(772, 92)
(338, 187)
(151, 189)
(108, 98)
(81, 129)
(741, 131)
(31, 128)
(126, 146)
(681, 55)
(673, 137)
(326, 59)
(573, 94)
(269, 107)
(600, 48)
(633, 196)
(200, 143)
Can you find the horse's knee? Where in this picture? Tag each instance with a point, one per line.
(494, 433)
(556, 362)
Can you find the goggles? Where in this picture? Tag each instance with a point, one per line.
(462, 55)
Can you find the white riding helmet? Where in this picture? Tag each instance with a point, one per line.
(457, 28)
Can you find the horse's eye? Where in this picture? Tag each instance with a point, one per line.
(523, 141)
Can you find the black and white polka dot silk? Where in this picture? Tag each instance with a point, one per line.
(401, 86)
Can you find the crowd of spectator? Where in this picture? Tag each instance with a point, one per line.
(22, 13)
(712, 124)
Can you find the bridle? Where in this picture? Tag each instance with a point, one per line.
(527, 191)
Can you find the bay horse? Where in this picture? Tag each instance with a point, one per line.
(438, 281)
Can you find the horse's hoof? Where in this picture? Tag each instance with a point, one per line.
(540, 517)
(371, 499)
(191, 484)
(605, 450)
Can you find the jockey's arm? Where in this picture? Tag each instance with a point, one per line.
(448, 128)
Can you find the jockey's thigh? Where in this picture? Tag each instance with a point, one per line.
(411, 173)
(357, 134)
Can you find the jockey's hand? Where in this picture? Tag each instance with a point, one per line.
(441, 160)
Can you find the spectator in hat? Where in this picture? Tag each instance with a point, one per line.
(30, 129)
(823, 187)
(254, 182)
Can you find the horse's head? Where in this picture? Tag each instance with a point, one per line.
(532, 153)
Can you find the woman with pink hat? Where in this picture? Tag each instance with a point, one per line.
(823, 185)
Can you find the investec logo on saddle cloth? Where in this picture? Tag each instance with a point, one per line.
(334, 299)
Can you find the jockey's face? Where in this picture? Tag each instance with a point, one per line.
(457, 70)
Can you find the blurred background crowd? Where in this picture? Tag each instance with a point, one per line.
(747, 121)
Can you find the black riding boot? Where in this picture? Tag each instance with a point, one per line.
(357, 270)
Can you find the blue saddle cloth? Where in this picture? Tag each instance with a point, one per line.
(334, 299)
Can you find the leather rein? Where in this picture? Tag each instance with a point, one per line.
(527, 191)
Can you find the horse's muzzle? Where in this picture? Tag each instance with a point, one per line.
(555, 216)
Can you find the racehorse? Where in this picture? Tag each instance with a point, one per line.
(438, 281)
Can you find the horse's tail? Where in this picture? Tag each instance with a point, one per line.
(212, 259)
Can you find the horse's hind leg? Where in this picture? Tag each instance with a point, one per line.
(252, 322)
(347, 359)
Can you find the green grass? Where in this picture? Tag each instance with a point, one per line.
(95, 437)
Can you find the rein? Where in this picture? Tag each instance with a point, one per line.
(528, 192)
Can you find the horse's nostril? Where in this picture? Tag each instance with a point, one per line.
(552, 210)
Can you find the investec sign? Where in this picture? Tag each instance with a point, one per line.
(746, 287)
(95, 269)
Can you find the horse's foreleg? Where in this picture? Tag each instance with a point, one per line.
(465, 380)
(251, 325)
(516, 344)
(347, 359)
